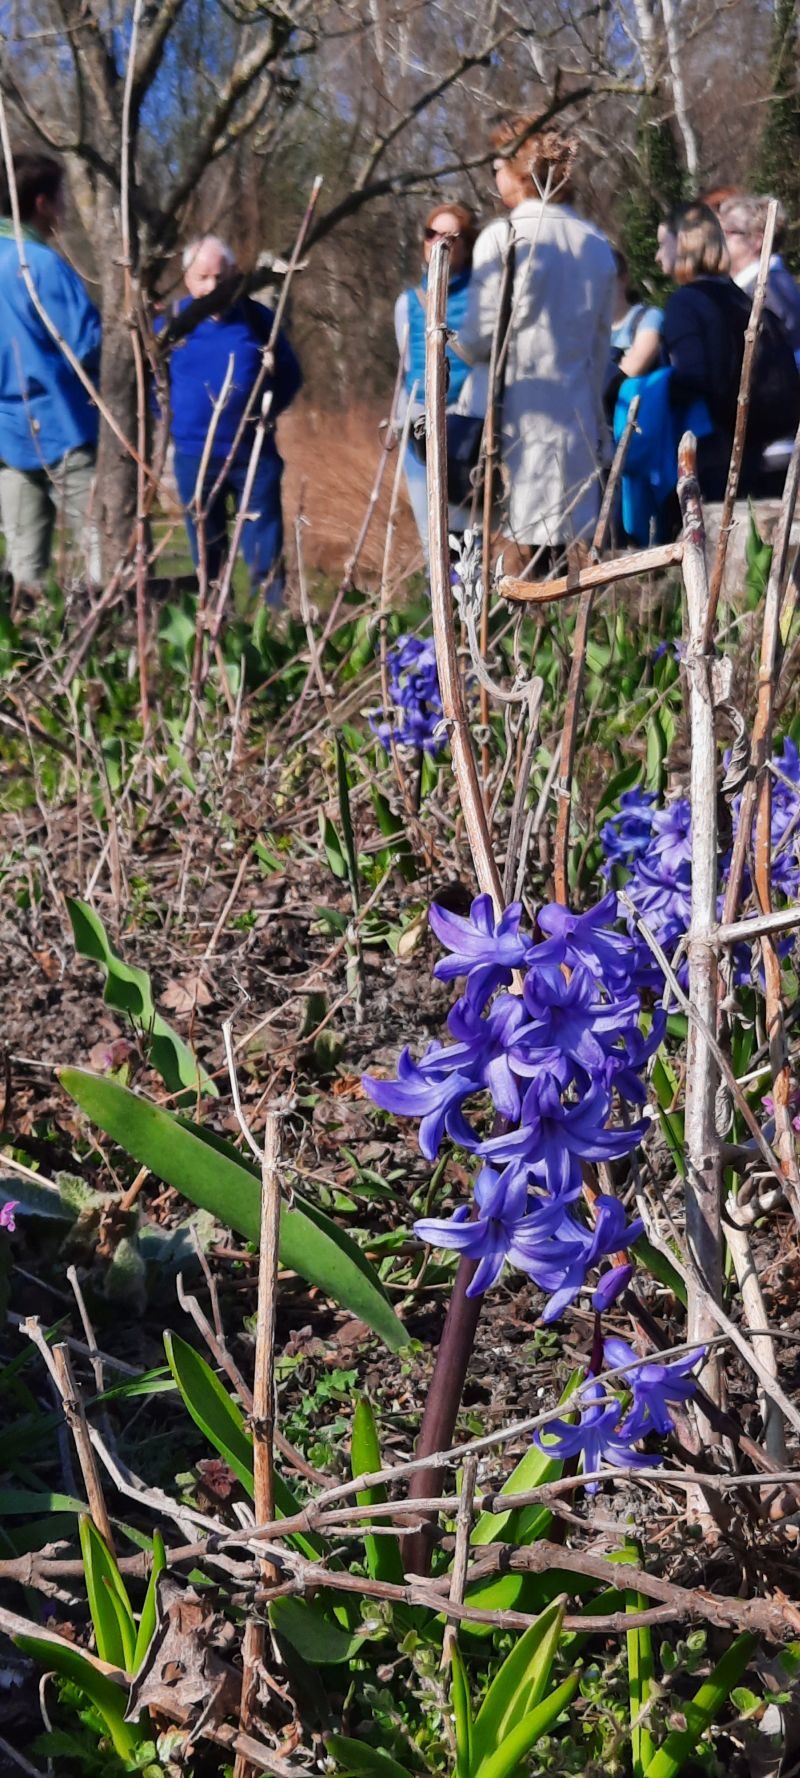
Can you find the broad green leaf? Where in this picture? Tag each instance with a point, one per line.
(211, 1407)
(211, 1174)
(14, 1501)
(114, 1627)
(702, 1710)
(659, 1267)
(147, 1621)
(502, 1761)
(462, 1712)
(612, 791)
(532, 1471)
(107, 1696)
(362, 1761)
(222, 1423)
(334, 851)
(506, 1592)
(128, 990)
(320, 1642)
(523, 1525)
(520, 1684)
(671, 1119)
(384, 1561)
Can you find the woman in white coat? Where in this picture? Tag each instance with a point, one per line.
(554, 435)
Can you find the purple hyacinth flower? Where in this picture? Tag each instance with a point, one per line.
(628, 833)
(483, 1050)
(624, 1066)
(556, 1137)
(672, 841)
(492, 1237)
(653, 1385)
(598, 1438)
(587, 938)
(611, 1286)
(560, 1265)
(436, 1099)
(568, 1019)
(483, 948)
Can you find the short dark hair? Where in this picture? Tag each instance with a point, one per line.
(35, 175)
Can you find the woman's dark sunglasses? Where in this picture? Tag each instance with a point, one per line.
(442, 234)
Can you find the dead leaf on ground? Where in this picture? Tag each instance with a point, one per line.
(186, 993)
(183, 1669)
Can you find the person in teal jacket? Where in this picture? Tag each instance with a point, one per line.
(48, 421)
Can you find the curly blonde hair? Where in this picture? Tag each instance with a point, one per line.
(544, 161)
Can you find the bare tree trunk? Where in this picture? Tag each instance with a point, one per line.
(682, 118)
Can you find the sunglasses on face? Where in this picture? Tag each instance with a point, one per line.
(442, 234)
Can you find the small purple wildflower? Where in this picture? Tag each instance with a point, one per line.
(7, 1218)
(416, 706)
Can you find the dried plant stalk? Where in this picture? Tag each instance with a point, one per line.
(703, 1169)
(263, 1415)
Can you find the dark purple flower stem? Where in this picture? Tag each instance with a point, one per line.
(443, 1403)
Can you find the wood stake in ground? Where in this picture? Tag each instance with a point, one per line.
(263, 1416)
(703, 1168)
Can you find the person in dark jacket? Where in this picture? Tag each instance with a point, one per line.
(705, 321)
(48, 421)
(212, 372)
(743, 221)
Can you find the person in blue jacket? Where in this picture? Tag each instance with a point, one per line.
(48, 420)
(212, 370)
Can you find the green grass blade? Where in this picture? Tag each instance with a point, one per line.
(211, 1174)
(147, 1621)
(641, 1670)
(462, 1712)
(504, 1760)
(384, 1561)
(114, 1626)
(703, 1709)
(346, 817)
(211, 1408)
(520, 1684)
(222, 1423)
(107, 1696)
(128, 989)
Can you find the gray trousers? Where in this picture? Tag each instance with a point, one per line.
(32, 500)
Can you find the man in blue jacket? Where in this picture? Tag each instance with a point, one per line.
(212, 371)
(48, 422)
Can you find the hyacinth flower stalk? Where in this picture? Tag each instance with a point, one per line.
(528, 1085)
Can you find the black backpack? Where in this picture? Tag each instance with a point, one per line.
(774, 410)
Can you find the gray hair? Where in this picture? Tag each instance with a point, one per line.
(192, 249)
(748, 216)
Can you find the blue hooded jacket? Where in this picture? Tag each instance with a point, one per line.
(198, 365)
(44, 409)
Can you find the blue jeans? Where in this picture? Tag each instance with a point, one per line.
(262, 532)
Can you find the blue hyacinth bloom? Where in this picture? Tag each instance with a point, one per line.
(653, 1385)
(599, 1438)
